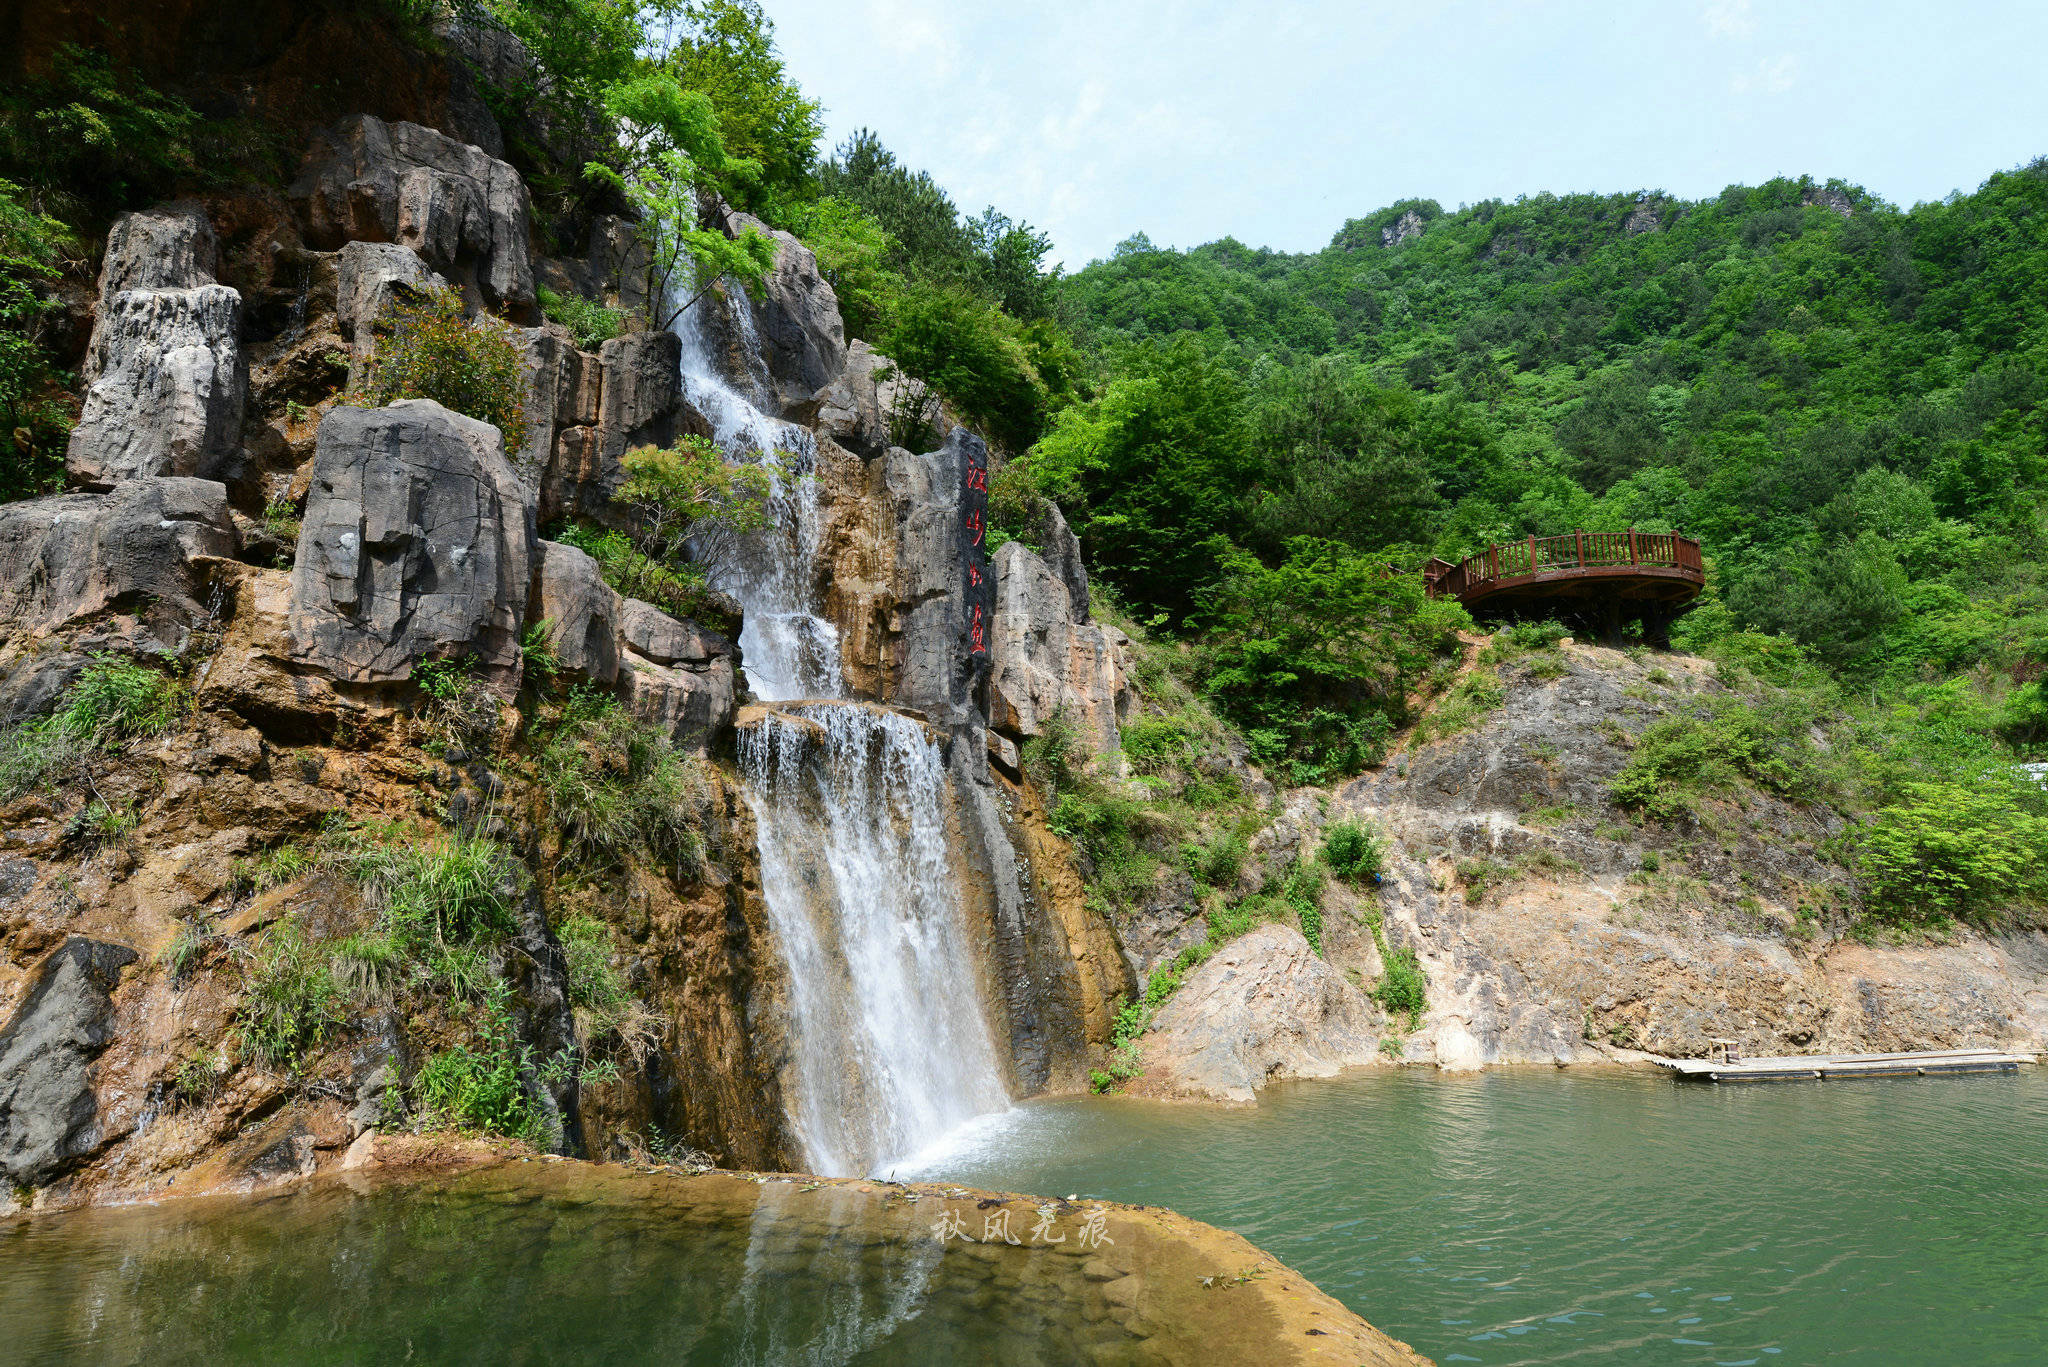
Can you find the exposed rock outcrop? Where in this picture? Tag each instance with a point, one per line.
(1045, 661)
(416, 545)
(692, 698)
(371, 277)
(569, 593)
(1266, 1006)
(165, 377)
(637, 400)
(465, 212)
(802, 339)
(1571, 930)
(47, 1106)
(136, 550)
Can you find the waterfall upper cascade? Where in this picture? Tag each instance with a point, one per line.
(891, 1044)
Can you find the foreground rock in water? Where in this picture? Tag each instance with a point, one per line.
(962, 1271)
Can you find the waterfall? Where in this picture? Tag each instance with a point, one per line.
(891, 1047)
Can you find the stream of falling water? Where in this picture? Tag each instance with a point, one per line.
(891, 1045)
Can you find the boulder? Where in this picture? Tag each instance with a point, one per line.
(654, 635)
(1043, 660)
(170, 247)
(1266, 1006)
(639, 403)
(853, 408)
(370, 277)
(691, 696)
(1061, 551)
(416, 542)
(802, 340)
(166, 382)
(561, 392)
(47, 1108)
(571, 595)
(136, 549)
(464, 211)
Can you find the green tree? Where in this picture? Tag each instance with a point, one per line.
(725, 50)
(1153, 471)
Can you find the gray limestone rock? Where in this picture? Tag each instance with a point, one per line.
(70, 557)
(639, 402)
(465, 212)
(694, 706)
(1266, 1006)
(583, 611)
(416, 542)
(47, 1108)
(1044, 661)
(370, 277)
(170, 247)
(802, 340)
(937, 675)
(562, 386)
(676, 675)
(654, 634)
(1061, 551)
(853, 408)
(166, 382)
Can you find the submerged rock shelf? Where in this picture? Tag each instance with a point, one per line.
(647, 1261)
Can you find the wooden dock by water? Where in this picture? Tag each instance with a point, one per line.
(1823, 1067)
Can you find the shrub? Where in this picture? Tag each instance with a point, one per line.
(1717, 750)
(1467, 704)
(1303, 890)
(590, 323)
(679, 590)
(615, 785)
(433, 351)
(1949, 851)
(1353, 851)
(1402, 988)
(1057, 759)
(477, 1086)
(1317, 656)
(369, 966)
(186, 948)
(455, 700)
(290, 1003)
(112, 701)
(457, 890)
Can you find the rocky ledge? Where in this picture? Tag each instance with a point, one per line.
(1129, 1283)
(1550, 927)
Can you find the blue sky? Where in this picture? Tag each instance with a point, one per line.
(1274, 122)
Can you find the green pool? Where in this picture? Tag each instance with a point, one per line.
(1550, 1217)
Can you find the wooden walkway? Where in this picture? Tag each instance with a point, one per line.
(1821, 1067)
(1657, 569)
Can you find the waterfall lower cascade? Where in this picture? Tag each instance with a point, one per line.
(892, 1047)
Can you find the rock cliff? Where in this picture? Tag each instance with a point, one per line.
(338, 611)
(1551, 927)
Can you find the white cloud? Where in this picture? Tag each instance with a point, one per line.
(1771, 76)
(1729, 19)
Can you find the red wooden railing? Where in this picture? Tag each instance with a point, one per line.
(1498, 565)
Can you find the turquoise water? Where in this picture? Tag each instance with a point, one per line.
(1548, 1217)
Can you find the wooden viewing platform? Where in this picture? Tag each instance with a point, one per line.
(1822, 1067)
(1597, 578)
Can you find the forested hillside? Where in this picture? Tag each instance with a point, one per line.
(1844, 400)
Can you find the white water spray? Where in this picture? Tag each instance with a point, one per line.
(892, 1047)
